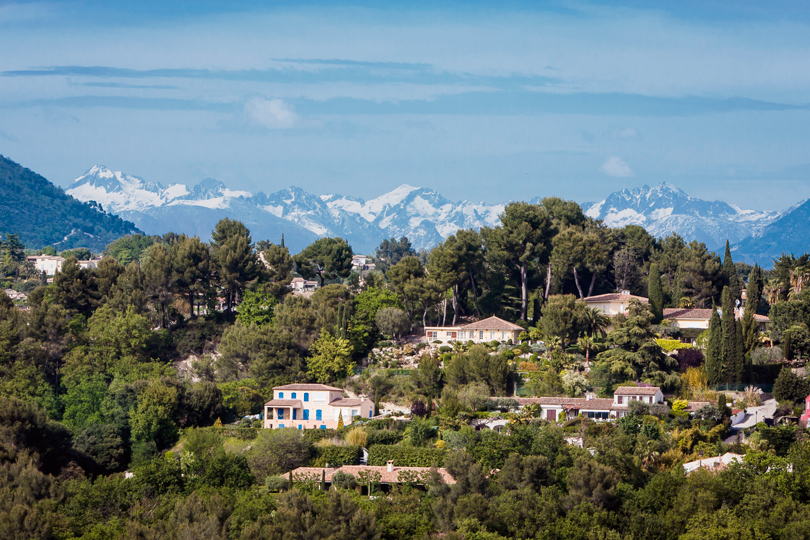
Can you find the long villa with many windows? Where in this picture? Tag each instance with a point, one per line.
(485, 331)
(313, 406)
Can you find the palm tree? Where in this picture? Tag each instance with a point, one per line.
(799, 276)
(772, 291)
(586, 342)
(596, 322)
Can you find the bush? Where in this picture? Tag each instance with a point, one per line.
(790, 387)
(688, 358)
(336, 456)
(670, 345)
(383, 436)
(314, 435)
(342, 480)
(357, 436)
(383, 344)
(766, 355)
(277, 451)
(406, 456)
(445, 349)
(276, 483)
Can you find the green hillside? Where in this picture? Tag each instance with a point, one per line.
(42, 214)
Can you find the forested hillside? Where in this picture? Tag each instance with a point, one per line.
(41, 214)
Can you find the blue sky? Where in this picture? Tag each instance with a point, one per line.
(489, 101)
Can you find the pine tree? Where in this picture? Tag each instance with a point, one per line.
(282, 240)
(714, 350)
(655, 293)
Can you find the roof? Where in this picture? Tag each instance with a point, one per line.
(307, 386)
(283, 403)
(492, 323)
(636, 391)
(386, 477)
(716, 463)
(595, 404)
(346, 402)
(702, 314)
(45, 257)
(615, 297)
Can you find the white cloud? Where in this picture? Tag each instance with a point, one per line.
(615, 166)
(271, 113)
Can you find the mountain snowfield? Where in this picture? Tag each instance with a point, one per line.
(664, 209)
(421, 214)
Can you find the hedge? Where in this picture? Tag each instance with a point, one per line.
(383, 436)
(335, 455)
(670, 345)
(405, 456)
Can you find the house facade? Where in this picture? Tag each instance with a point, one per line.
(313, 406)
(50, 264)
(485, 331)
(599, 409)
(612, 304)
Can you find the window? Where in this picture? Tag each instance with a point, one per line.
(481, 334)
(463, 334)
(503, 336)
(323, 427)
(306, 396)
(492, 335)
(280, 414)
(318, 415)
(355, 412)
(281, 395)
(293, 395)
(295, 414)
(619, 400)
(306, 414)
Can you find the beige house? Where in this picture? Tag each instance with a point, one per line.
(313, 406)
(699, 318)
(593, 407)
(612, 304)
(485, 331)
(50, 264)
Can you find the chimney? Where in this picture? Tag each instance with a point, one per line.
(390, 465)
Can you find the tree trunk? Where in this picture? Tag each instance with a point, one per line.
(191, 303)
(548, 282)
(576, 280)
(475, 294)
(444, 310)
(524, 291)
(455, 303)
(593, 282)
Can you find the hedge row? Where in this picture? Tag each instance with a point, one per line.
(335, 456)
(383, 436)
(405, 456)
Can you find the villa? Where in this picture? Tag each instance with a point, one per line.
(593, 407)
(313, 406)
(485, 331)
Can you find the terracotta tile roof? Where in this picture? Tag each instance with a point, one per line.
(492, 323)
(693, 406)
(636, 390)
(346, 402)
(386, 477)
(687, 313)
(283, 403)
(596, 404)
(615, 297)
(306, 387)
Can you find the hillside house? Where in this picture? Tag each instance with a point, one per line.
(612, 304)
(485, 331)
(598, 409)
(300, 284)
(699, 318)
(50, 264)
(313, 406)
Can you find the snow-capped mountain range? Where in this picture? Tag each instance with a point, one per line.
(423, 215)
(664, 209)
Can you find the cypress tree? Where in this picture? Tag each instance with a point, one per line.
(282, 240)
(739, 353)
(732, 363)
(730, 275)
(714, 350)
(756, 284)
(677, 289)
(655, 294)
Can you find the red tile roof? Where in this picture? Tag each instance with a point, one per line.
(702, 314)
(492, 323)
(615, 297)
(386, 477)
(636, 390)
(306, 387)
(346, 402)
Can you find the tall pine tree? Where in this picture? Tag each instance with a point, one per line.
(750, 331)
(730, 275)
(655, 293)
(714, 350)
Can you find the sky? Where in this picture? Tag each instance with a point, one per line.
(481, 101)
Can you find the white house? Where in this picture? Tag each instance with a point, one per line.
(699, 318)
(613, 303)
(313, 406)
(485, 331)
(716, 463)
(301, 284)
(50, 264)
(593, 407)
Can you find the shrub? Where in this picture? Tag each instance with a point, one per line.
(276, 483)
(277, 451)
(766, 355)
(790, 387)
(445, 349)
(670, 345)
(336, 456)
(312, 436)
(689, 358)
(406, 456)
(383, 436)
(357, 436)
(344, 480)
(383, 344)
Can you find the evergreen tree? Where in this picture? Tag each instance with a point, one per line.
(655, 293)
(714, 350)
(732, 360)
(730, 275)
(677, 289)
(235, 264)
(282, 240)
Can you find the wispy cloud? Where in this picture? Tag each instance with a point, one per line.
(616, 167)
(271, 113)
